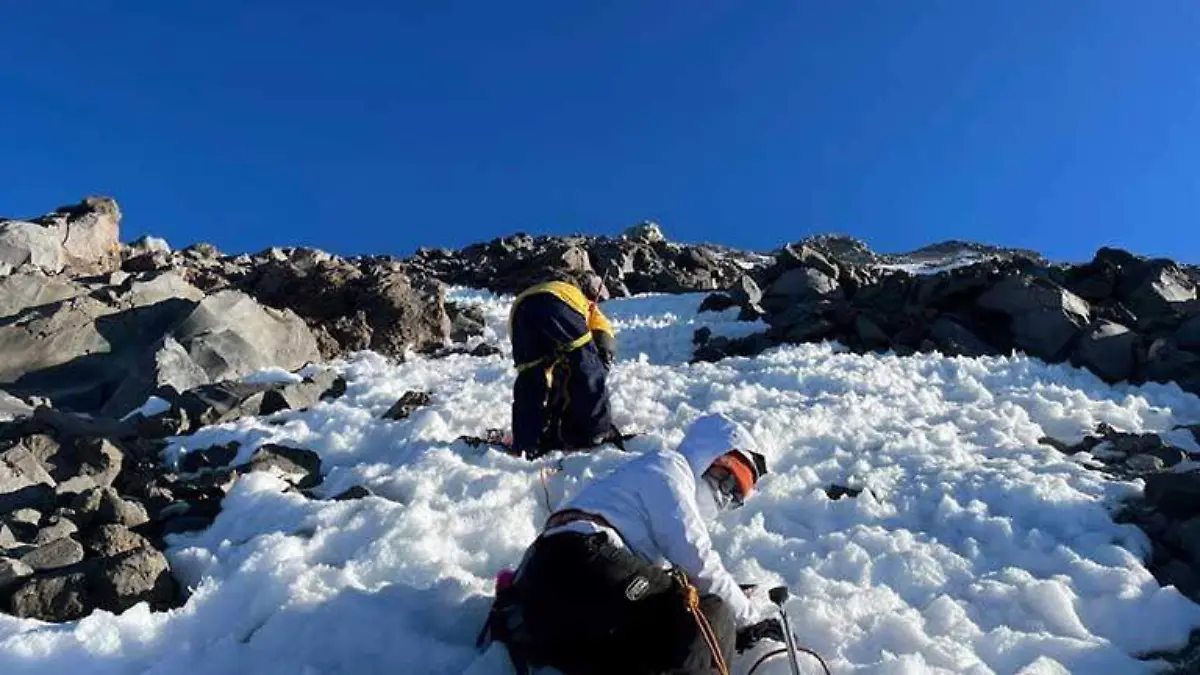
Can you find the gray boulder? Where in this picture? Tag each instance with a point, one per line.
(409, 403)
(56, 528)
(165, 364)
(297, 466)
(56, 597)
(109, 540)
(1156, 288)
(29, 247)
(75, 351)
(801, 255)
(83, 239)
(19, 292)
(1043, 317)
(801, 285)
(956, 339)
(12, 407)
(647, 231)
(90, 235)
(24, 482)
(230, 335)
(12, 572)
(106, 506)
(1110, 350)
(54, 555)
(141, 575)
(746, 293)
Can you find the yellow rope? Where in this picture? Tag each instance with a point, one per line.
(693, 603)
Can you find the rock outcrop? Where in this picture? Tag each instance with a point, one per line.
(1123, 317)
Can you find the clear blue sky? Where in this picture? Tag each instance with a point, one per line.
(377, 127)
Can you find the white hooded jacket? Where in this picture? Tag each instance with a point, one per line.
(652, 503)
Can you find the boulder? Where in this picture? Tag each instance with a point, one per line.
(1110, 350)
(717, 302)
(12, 407)
(466, 321)
(869, 332)
(8, 539)
(350, 307)
(297, 466)
(799, 286)
(746, 293)
(19, 292)
(54, 555)
(12, 571)
(1156, 288)
(164, 364)
(229, 335)
(90, 235)
(1145, 464)
(106, 506)
(132, 577)
(409, 403)
(76, 351)
(24, 483)
(354, 492)
(144, 245)
(56, 528)
(228, 401)
(210, 458)
(1043, 317)
(57, 597)
(109, 540)
(800, 255)
(954, 338)
(29, 247)
(647, 231)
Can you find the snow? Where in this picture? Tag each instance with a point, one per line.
(153, 406)
(934, 267)
(973, 549)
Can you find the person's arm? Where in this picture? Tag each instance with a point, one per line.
(682, 535)
(602, 335)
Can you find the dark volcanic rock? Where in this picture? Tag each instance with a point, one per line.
(297, 466)
(409, 403)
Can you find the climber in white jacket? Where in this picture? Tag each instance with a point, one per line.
(594, 594)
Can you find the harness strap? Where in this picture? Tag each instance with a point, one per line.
(559, 352)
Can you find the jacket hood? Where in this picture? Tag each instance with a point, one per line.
(712, 436)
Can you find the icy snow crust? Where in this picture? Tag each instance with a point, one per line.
(972, 550)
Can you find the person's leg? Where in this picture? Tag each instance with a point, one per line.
(587, 419)
(700, 658)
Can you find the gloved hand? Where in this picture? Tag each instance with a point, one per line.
(606, 346)
(750, 635)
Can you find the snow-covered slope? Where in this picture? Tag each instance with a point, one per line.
(972, 549)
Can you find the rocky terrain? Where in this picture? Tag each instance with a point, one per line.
(91, 330)
(1123, 317)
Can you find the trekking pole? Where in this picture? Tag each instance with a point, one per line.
(779, 595)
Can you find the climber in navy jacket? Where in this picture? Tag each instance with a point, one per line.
(562, 347)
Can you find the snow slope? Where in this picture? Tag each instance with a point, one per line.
(972, 550)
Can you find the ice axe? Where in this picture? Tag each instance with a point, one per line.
(779, 596)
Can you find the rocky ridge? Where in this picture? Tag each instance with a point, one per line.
(1123, 317)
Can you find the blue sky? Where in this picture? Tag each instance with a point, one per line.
(377, 127)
